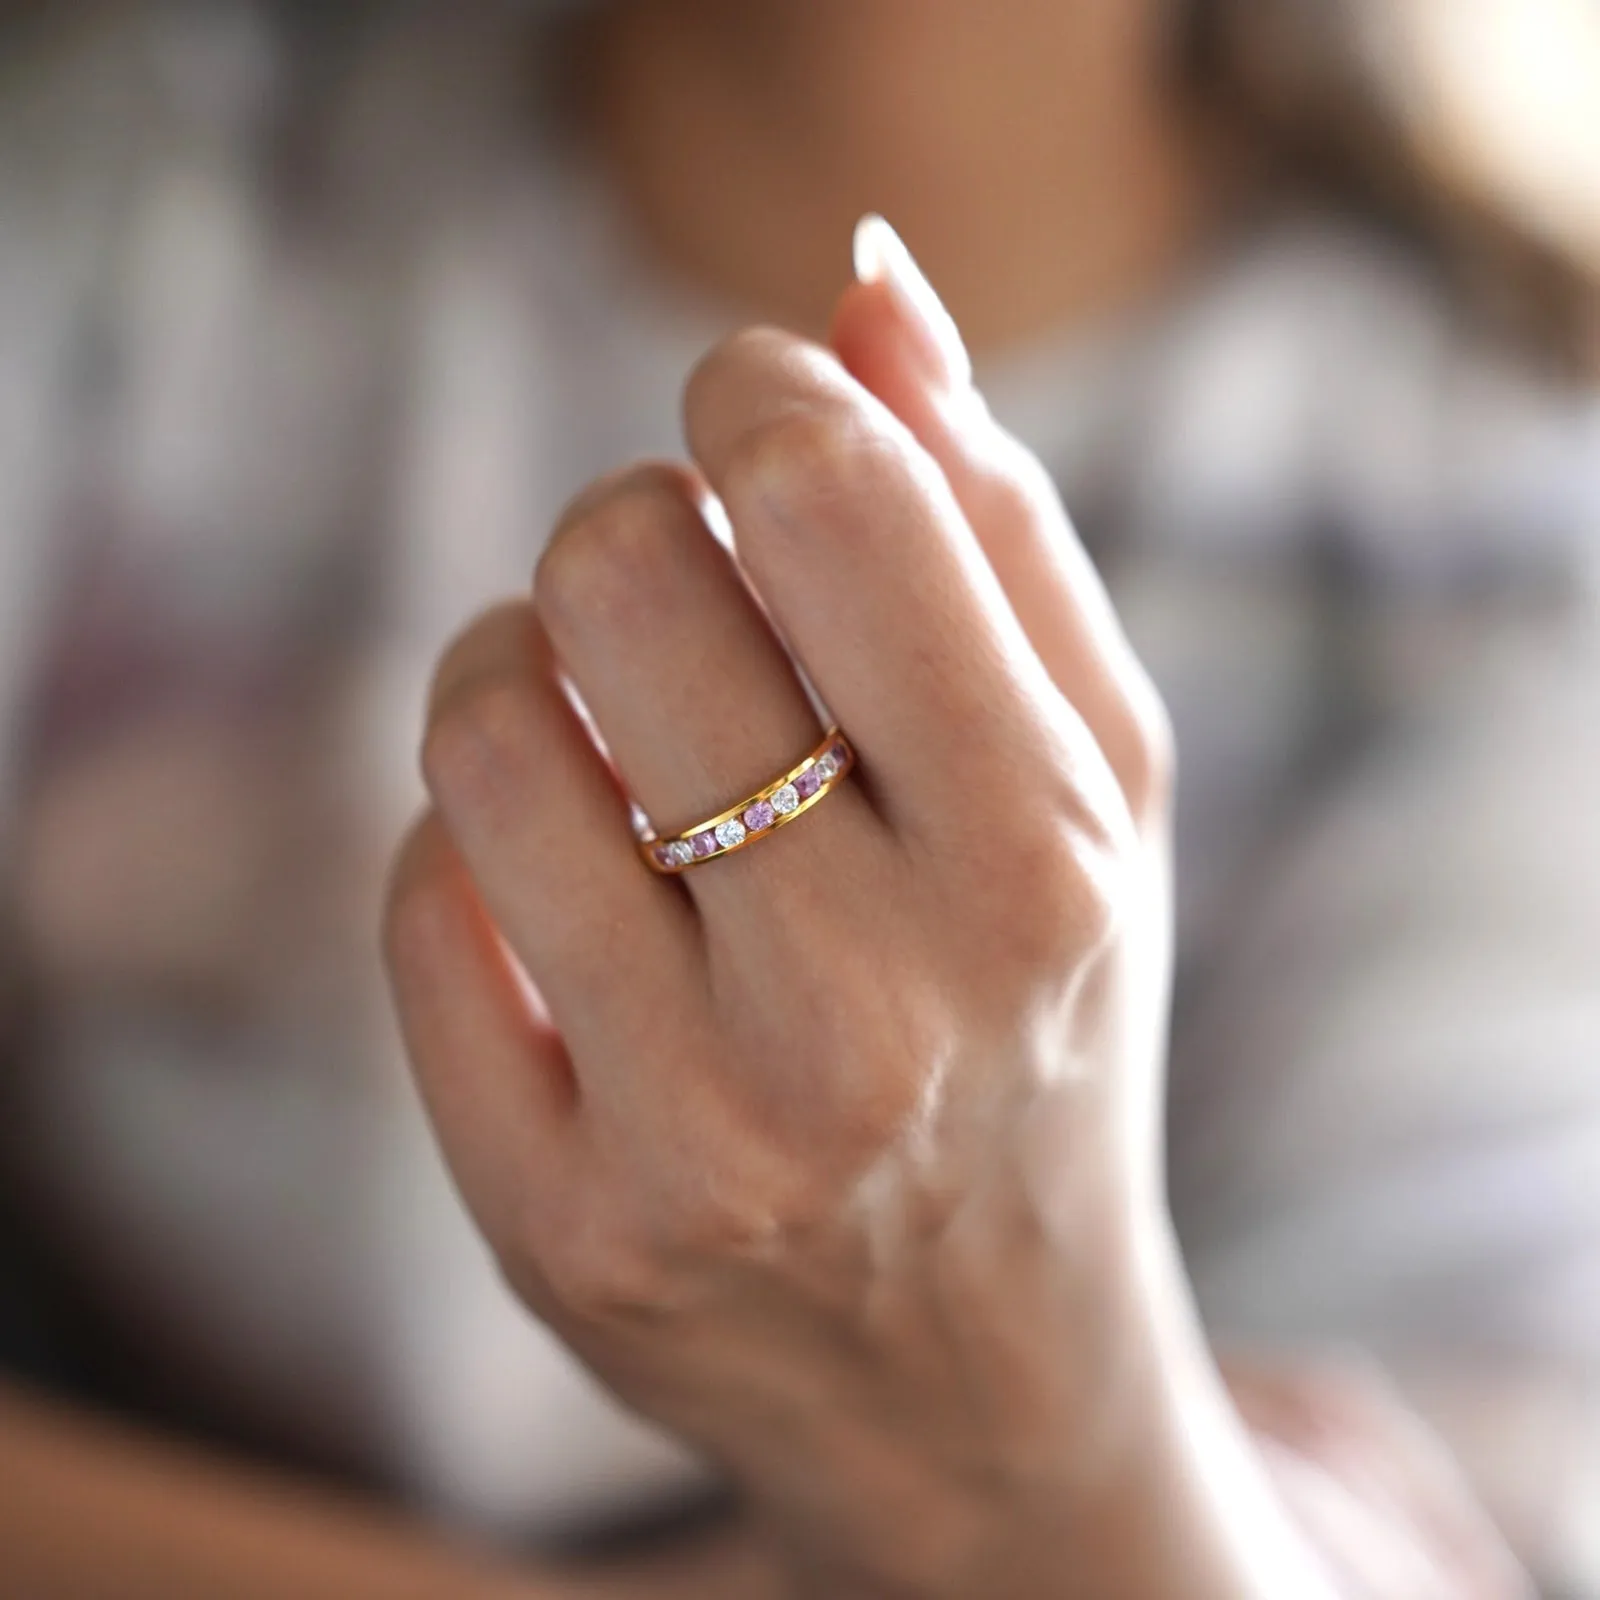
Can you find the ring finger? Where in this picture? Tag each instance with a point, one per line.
(697, 700)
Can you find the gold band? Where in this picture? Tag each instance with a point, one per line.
(764, 812)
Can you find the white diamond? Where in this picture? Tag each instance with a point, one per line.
(681, 852)
(787, 799)
(730, 833)
(827, 769)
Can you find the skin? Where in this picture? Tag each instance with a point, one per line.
(766, 1176)
(171, 1522)
(840, 1158)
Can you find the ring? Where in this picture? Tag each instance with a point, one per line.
(764, 812)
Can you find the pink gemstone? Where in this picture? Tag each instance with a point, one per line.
(807, 783)
(840, 756)
(664, 855)
(759, 816)
(705, 844)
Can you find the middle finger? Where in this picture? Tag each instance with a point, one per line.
(855, 538)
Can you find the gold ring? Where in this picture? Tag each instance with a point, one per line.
(764, 812)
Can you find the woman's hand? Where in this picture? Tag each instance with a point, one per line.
(839, 1157)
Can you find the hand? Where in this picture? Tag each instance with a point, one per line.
(839, 1157)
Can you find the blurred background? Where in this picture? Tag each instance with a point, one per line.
(311, 318)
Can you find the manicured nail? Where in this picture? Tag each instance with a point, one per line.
(881, 256)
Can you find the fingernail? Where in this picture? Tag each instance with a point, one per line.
(881, 256)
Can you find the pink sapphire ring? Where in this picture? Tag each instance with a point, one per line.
(766, 811)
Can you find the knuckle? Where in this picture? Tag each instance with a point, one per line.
(1094, 896)
(801, 1157)
(731, 1221)
(880, 1066)
(611, 556)
(814, 468)
(1043, 937)
(742, 1197)
(1055, 901)
(479, 741)
(1011, 495)
(723, 366)
(416, 923)
(880, 1097)
(1150, 759)
(1021, 485)
(599, 1275)
(792, 452)
(752, 1216)
(503, 637)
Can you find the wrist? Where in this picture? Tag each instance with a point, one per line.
(1155, 1490)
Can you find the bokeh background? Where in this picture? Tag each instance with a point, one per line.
(311, 318)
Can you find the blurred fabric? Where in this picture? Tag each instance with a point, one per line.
(266, 443)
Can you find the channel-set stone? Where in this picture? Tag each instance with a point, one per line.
(705, 844)
(760, 815)
(680, 852)
(807, 783)
(840, 757)
(663, 855)
(731, 833)
(786, 800)
(826, 768)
